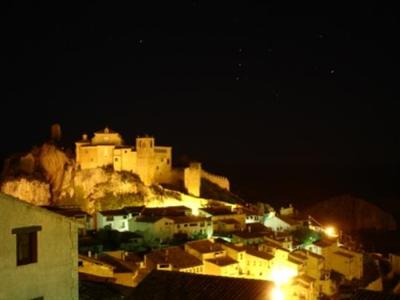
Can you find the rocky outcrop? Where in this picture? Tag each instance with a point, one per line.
(352, 214)
(31, 190)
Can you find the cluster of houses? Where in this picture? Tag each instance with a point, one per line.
(238, 242)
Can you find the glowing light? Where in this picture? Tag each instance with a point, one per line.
(281, 275)
(277, 293)
(331, 231)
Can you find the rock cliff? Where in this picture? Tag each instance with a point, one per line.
(352, 214)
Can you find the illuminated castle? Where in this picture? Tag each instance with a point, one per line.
(152, 163)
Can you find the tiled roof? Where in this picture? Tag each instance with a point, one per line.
(218, 211)
(134, 209)
(204, 246)
(187, 219)
(324, 243)
(175, 256)
(119, 266)
(166, 211)
(259, 254)
(67, 212)
(236, 247)
(177, 285)
(249, 235)
(148, 219)
(229, 221)
(116, 212)
(222, 261)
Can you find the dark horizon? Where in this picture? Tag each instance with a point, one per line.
(294, 105)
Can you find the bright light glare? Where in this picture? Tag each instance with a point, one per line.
(331, 231)
(282, 275)
(277, 294)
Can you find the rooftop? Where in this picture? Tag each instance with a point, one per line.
(222, 261)
(166, 211)
(148, 219)
(249, 235)
(116, 212)
(178, 285)
(187, 219)
(324, 243)
(175, 256)
(204, 246)
(218, 211)
(229, 221)
(259, 254)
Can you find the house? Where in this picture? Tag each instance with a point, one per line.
(156, 228)
(165, 228)
(38, 253)
(223, 218)
(173, 259)
(84, 220)
(113, 219)
(281, 222)
(323, 247)
(177, 285)
(192, 226)
(205, 249)
(221, 266)
(346, 262)
(92, 267)
(257, 264)
(166, 211)
(304, 288)
(252, 214)
(249, 237)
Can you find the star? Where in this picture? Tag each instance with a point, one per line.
(332, 71)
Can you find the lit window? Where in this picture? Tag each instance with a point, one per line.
(26, 244)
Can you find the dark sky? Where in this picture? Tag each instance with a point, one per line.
(292, 103)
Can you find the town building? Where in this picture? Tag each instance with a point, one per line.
(113, 219)
(163, 228)
(224, 219)
(38, 254)
(173, 259)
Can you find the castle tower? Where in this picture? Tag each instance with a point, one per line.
(145, 159)
(192, 179)
(78, 147)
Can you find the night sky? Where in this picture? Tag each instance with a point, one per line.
(294, 104)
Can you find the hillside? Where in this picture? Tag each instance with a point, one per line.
(352, 214)
(48, 176)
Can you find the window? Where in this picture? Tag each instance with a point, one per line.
(110, 218)
(26, 238)
(168, 161)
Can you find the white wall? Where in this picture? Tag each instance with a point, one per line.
(55, 274)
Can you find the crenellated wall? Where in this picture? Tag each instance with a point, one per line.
(221, 181)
